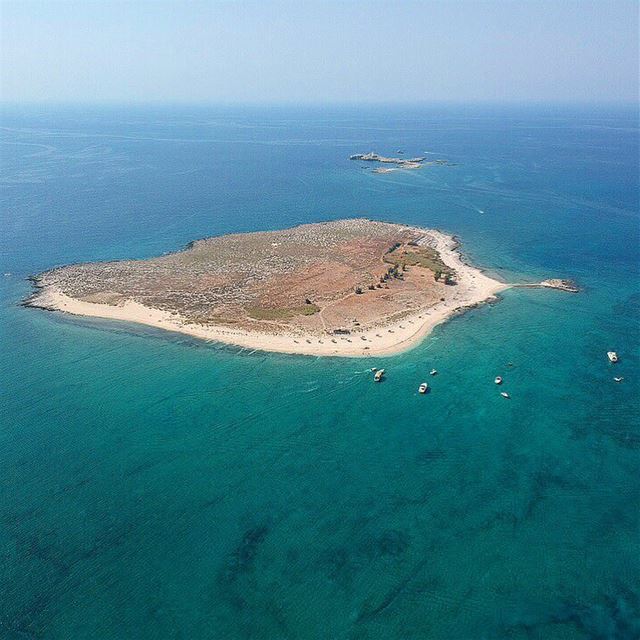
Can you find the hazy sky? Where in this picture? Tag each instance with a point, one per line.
(317, 51)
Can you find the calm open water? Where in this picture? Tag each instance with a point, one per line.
(155, 487)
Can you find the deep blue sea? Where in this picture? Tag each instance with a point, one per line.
(156, 487)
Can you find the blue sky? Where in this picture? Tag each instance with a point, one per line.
(322, 51)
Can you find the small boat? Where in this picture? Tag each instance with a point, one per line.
(620, 379)
(423, 388)
(613, 356)
(374, 369)
(378, 375)
(504, 394)
(498, 380)
(433, 372)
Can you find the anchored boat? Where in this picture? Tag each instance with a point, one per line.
(423, 388)
(613, 356)
(504, 394)
(498, 380)
(378, 375)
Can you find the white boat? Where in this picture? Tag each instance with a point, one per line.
(374, 369)
(620, 379)
(378, 375)
(498, 380)
(613, 356)
(504, 394)
(433, 372)
(423, 388)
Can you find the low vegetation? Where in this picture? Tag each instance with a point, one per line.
(426, 257)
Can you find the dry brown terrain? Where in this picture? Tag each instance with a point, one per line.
(346, 288)
(349, 274)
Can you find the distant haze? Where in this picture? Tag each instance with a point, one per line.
(304, 51)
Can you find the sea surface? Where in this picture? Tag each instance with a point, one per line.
(157, 487)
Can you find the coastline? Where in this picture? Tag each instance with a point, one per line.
(472, 289)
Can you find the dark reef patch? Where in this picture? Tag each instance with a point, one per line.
(430, 455)
(242, 559)
(613, 616)
(368, 613)
(544, 479)
(630, 308)
(390, 543)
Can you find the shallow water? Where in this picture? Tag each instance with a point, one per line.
(155, 486)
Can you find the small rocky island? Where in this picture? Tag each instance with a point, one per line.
(400, 163)
(349, 287)
(552, 283)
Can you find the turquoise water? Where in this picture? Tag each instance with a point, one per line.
(153, 486)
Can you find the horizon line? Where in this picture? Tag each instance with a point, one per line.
(318, 103)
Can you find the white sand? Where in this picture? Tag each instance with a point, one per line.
(473, 287)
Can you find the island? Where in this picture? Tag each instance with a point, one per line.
(405, 163)
(400, 163)
(352, 287)
(553, 283)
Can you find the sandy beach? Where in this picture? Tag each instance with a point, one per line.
(473, 288)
